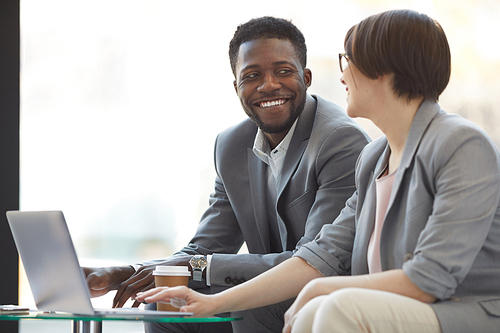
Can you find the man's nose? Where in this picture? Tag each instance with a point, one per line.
(269, 83)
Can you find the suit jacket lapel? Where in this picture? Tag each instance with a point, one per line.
(258, 184)
(426, 112)
(367, 217)
(293, 156)
(298, 144)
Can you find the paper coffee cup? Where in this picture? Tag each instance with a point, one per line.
(170, 276)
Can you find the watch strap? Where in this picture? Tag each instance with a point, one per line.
(197, 274)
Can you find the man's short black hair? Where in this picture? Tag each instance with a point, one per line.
(267, 27)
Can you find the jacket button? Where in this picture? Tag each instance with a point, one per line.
(408, 256)
(228, 280)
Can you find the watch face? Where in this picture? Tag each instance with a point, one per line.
(198, 262)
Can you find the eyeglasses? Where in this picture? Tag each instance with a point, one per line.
(343, 61)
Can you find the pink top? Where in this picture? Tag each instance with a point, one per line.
(384, 189)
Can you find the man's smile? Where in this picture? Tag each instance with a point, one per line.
(268, 104)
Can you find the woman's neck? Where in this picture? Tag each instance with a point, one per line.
(395, 123)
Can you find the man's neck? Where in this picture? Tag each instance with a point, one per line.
(276, 138)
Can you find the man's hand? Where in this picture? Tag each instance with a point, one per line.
(103, 279)
(143, 280)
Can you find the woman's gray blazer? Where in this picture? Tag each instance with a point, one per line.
(442, 225)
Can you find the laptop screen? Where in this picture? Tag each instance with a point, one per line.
(49, 258)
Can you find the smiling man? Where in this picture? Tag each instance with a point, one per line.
(271, 84)
(281, 175)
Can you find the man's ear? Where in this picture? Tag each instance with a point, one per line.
(307, 77)
(235, 86)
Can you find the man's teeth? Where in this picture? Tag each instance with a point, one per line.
(272, 103)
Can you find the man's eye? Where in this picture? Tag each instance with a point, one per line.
(250, 76)
(284, 71)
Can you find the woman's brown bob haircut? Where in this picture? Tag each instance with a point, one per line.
(410, 45)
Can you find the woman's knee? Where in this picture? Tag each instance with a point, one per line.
(304, 318)
(340, 311)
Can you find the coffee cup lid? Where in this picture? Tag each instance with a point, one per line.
(172, 271)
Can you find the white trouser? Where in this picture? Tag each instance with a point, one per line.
(365, 310)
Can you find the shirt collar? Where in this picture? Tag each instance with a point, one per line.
(261, 146)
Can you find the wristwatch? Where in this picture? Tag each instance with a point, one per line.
(198, 264)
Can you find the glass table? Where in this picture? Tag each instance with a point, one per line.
(93, 324)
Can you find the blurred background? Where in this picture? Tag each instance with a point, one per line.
(121, 101)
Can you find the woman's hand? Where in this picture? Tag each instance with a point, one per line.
(201, 305)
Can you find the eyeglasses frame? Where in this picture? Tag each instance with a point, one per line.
(343, 55)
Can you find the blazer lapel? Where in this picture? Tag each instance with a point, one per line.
(426, 112)
(293, 156)
(367, 216)
(298, 143)
(258, 185)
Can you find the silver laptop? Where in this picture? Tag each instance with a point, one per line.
(54, 273)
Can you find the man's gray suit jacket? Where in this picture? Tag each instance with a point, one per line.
(316, 180)
(442, 225)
